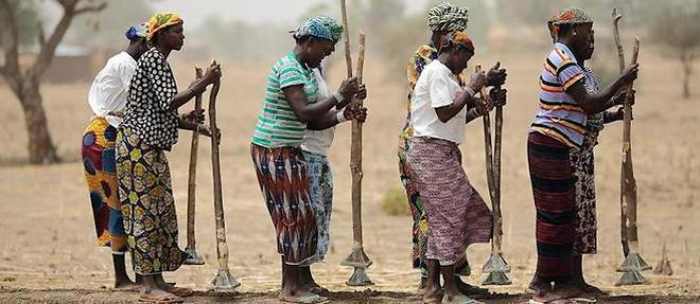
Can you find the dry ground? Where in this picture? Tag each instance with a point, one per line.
(47, 251)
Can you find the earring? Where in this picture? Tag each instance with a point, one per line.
(574, 34)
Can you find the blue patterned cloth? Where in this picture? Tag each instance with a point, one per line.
(321, 194)
(137, 31)
(320, 27)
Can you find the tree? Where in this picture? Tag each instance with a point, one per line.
(25, 81)
(678, 29)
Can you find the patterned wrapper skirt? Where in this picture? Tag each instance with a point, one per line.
(554, 189)
(99, 161)
(419, 230)
(586, 220)
(148, 205)
(321, 194)
(457, 215)
(284, 183)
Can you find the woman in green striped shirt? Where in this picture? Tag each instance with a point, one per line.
(291, 105)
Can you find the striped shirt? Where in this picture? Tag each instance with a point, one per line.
(278, 125)
(559, 116)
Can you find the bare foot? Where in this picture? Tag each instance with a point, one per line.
(126, 285)
(559, 293)
(432, 295)
(304, 297)
(470, 290)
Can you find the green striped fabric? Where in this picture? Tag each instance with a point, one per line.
(278, 125)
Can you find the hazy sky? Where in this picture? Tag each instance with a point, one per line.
(285, 12)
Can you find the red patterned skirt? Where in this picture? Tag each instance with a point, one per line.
(457, 215)
(285, 188)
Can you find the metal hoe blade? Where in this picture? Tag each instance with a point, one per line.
(193, 258)
(496, 268)
(224, 281)
(632, 269)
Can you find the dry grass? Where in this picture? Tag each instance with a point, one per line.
(48, 239)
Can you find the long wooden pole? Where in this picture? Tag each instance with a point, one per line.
(346, 32)
(496, 204)
(356, 156)
(488, 144)
(223, 279)
(191, 249)
(628, 184)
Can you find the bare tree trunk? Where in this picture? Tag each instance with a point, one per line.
(40, 146)
(687, 62)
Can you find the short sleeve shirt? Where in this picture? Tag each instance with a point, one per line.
(559, 115)
(437, 87)
(151, 92)
(278, 125)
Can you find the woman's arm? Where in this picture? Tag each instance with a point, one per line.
(309, 112)
(596, 103)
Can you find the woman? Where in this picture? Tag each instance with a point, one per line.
(315, 150)
(585, 241)
(457, 216)
(291, 105)
(148, 130)
(442, 19)
(107, 98)
(556, 136)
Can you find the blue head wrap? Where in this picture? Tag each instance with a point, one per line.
(136, 32)
(323, 27)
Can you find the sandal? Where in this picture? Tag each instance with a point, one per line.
(460, 299)
(165, 299)
(180, 292)
(311, 298)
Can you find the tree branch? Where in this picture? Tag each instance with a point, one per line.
(9, 33)
(49, 49)
(91, 8)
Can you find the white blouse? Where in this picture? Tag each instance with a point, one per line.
(109, 89)
(319, 141)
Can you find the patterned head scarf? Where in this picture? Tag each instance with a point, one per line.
(323, 27)
(572, 16)
(458, 39)
(137, 31)
(568, 16)
(160, 21)
(447, 17)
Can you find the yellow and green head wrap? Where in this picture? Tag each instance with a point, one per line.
(323, 27)
(446, 17)
(160, 21)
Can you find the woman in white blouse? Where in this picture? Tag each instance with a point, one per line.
(107, 98)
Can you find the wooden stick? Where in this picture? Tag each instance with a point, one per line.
(623, 209)
(487, 144)
(496, 204)
(346, 32)
(628, 182)
(192, 181)
(356, 156)
(221, 246)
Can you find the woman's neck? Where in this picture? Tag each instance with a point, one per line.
(298, 53)
(163, 50)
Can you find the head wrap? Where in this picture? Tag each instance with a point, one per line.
(447, 17)
(160, 21)
(572, 16)
(323, 27)
(457, 39)
(568, 16)
(137, 31)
